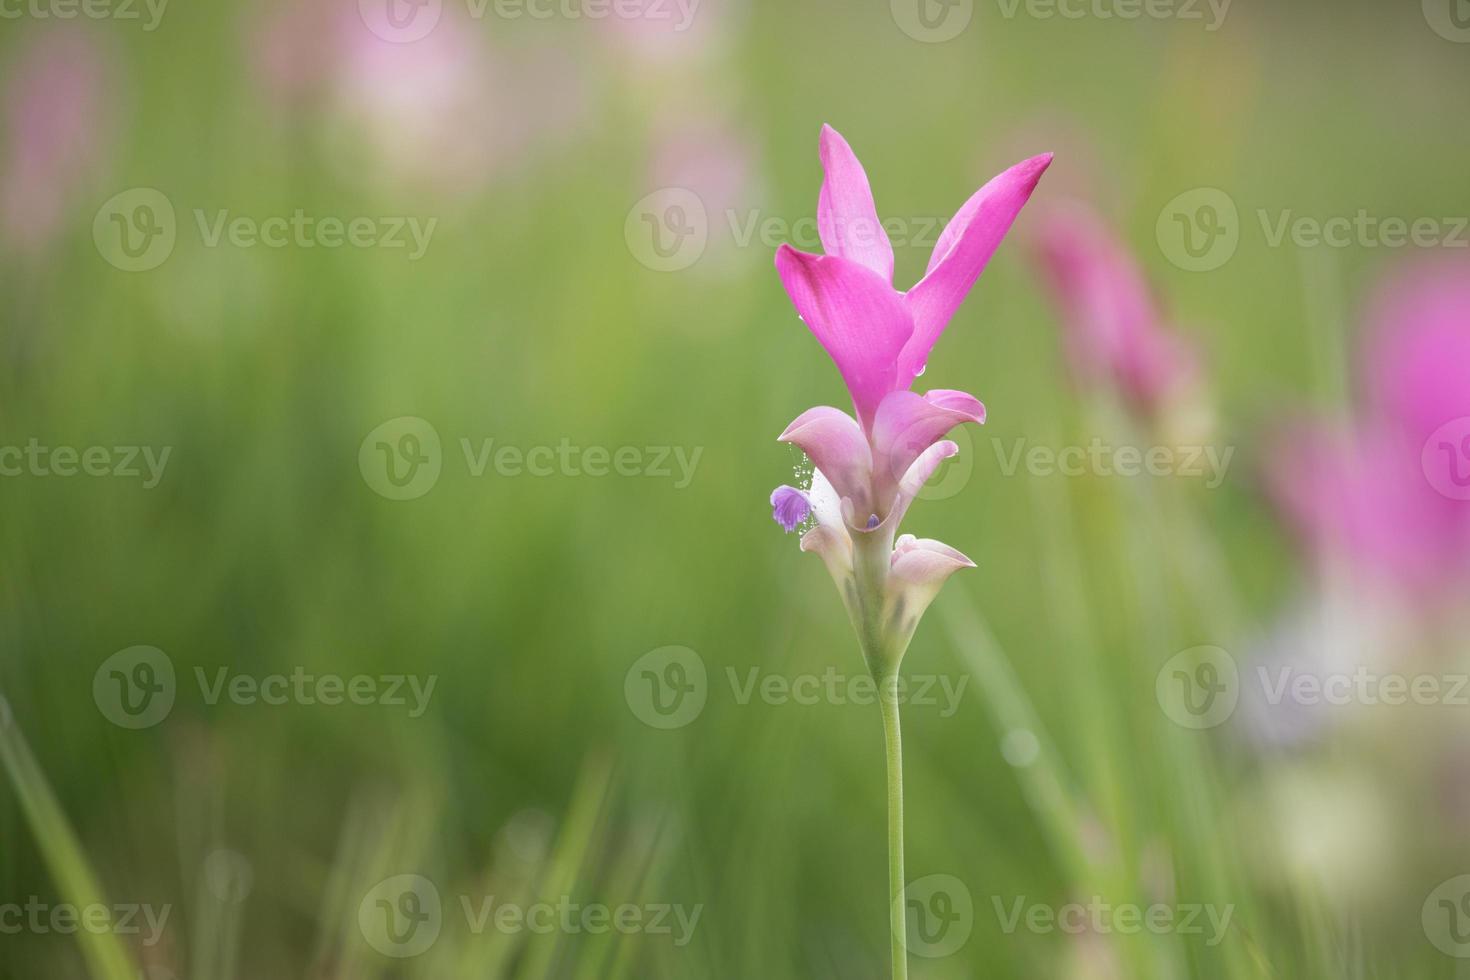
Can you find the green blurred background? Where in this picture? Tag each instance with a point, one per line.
(537, 315)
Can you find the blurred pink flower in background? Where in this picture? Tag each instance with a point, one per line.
(1383, 493)
(59, 104)
(1115, 334)
(445, 109)
(672, 32)
(708, 152)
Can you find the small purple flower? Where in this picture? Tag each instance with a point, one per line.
(789, 507)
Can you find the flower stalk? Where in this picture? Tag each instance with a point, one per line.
(893, 750)
(867, 470)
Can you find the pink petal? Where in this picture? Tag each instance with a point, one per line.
(920, 559)
(847, 219)
(907, 424)
(829, 538)
(919, 567)
(908, 488)
(856, 316)
(837, 448)
(961, 254)
(923, 468)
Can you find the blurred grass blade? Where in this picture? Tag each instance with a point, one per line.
(1046, 785)
(104, 953)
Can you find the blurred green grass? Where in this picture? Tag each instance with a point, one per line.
(529, 321)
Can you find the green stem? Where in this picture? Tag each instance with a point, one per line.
(893, 739)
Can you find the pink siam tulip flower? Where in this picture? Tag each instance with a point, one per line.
(1115, 333)
(1382, 494)
(58, 99)
(867, 471)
